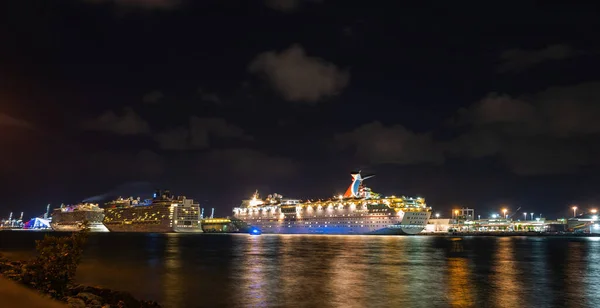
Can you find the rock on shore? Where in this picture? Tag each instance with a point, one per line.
(80, 296)
(95, 297)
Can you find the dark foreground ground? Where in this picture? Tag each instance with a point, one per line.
(15, 295)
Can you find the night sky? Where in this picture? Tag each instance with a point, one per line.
(481, 104)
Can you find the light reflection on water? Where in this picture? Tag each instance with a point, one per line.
(173, 278)
(186, 270)
(459, 291)
(507, 276)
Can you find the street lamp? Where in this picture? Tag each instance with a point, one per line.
(504, 211)
(574, 211)
(437, 215)
(594, 211)
(525, 214)
(455, 214)
(531, 216)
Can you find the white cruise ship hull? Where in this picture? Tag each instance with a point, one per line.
(347, 221)
(186, 229)
(344, 231)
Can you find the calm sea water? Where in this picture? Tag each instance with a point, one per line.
(186, 270)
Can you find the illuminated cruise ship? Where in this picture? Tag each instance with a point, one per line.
(358, 211)
(72, 217)
(164, 213)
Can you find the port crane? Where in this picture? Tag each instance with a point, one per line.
(515, 213)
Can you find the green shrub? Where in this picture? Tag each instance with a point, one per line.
(56, 264)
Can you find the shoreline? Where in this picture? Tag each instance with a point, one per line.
(439, 234)
(77, 295)
(508, 234)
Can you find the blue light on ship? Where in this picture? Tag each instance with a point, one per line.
(255, 231)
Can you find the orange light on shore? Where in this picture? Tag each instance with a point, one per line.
(574, 211)
(593, 211)
(455, 214)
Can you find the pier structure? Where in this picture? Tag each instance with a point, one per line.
(494, 225)
(223, 225)
(584, 224)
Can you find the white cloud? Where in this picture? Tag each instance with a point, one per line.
(298, 77)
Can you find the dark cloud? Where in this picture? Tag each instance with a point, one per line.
(520, 59)
(377, 144)
(497, 109)
(153, 97)
(541, 156)
(174, 139)
(128, 123)
(298, 77)
(199, 134)
(558, 111)
(146, 4)
(125, 165)
(218, 127)
(286, 5)
(208, 96)
(550, 132)
(525, 155)
(554, 131)
(6, 120)
(246, 164)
